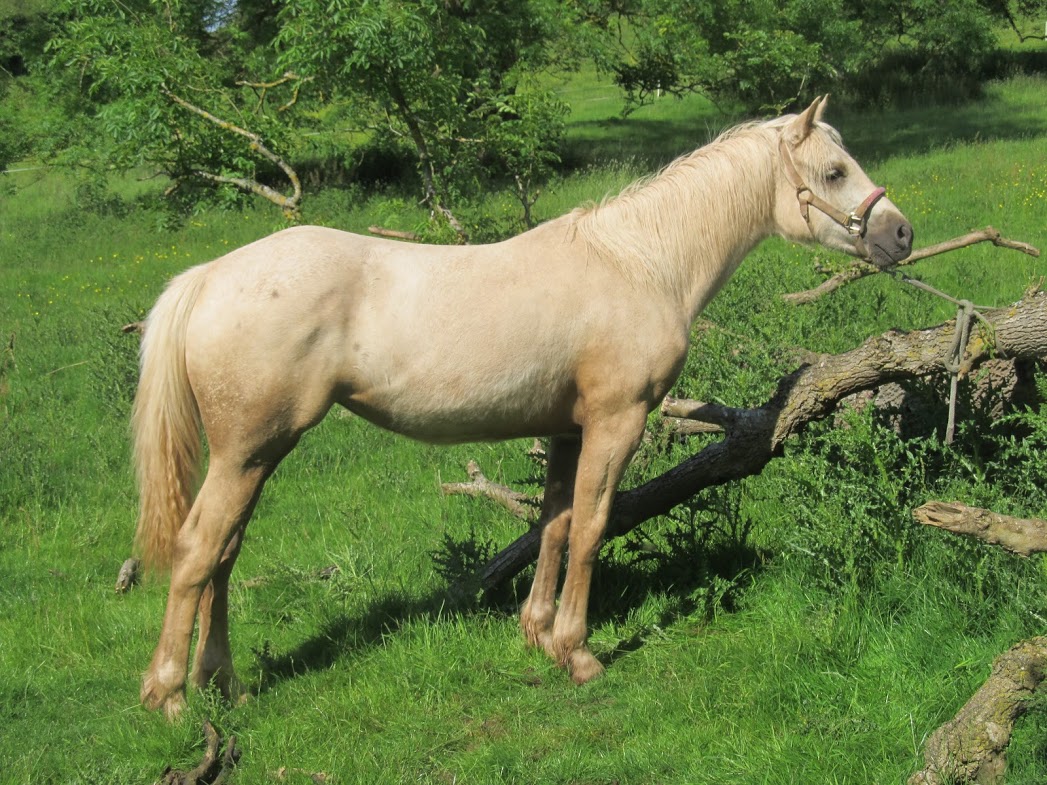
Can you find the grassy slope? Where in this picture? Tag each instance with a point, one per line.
(370, 676)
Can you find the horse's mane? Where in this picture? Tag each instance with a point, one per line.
(648, 228)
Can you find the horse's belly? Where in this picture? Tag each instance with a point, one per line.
(467, 409)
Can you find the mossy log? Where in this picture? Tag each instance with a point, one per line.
(972, 746)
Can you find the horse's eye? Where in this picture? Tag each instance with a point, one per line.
(834, 174)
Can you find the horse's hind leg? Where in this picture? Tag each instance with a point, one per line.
(537, 613)
(213, 661)
(218, 516)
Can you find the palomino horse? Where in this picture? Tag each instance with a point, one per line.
(574, 330)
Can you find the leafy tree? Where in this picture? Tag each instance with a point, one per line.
(769, 54)
(28, 109)
(174, 86)
(454, 78)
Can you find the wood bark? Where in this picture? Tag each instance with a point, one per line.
(971, 747)
(128, 575)
(754, 436)
(1021, 536)
(519, 504)
(860, 268)
(214, 768)
(396, 234)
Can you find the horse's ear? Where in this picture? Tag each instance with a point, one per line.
(800, 128)
(821, 108)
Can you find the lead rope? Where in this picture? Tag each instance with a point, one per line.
(965, 315)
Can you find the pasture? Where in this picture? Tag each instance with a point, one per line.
(792, 628)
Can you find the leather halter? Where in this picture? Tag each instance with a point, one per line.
(855, 222)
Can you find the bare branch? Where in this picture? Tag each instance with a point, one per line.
(861, 268)
(396, 234)
(519, 504)
(1021, 536)
(128, 575)
(261, 88)
(289, 204)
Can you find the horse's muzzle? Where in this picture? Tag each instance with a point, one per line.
(888, 244)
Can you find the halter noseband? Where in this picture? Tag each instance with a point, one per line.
(855, 222)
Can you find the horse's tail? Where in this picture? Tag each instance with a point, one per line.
(165, 422)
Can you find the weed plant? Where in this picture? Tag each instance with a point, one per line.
(795, 627)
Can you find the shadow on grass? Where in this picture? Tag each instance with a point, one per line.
(344, 634)
(703, 581)
(871, 134)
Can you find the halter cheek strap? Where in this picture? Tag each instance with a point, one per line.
(855, 222)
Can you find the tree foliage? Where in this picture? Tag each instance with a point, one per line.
(768, 54)
(455, 80)
(236, 94)
(172, 87)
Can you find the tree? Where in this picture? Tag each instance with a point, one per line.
(766, 55)
(455, 80)
(31, 112)
(176, 87)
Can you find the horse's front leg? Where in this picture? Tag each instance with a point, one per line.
(538, 612)
(607, 446)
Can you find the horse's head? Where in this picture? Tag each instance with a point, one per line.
(851, 213)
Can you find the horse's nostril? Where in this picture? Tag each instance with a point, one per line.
(905, 234)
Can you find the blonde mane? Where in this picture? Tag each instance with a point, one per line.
(658, 228)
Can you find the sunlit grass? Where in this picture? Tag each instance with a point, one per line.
(374, 673)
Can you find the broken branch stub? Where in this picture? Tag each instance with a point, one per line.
(1021, 536)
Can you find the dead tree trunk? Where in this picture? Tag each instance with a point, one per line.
(754, 436)
(972, 746)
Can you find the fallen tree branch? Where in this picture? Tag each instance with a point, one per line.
(519, 504)
(211, 770)
(128, 575)
(972, 746)
(1021, 536)
(755, 436)
(861, 269)
(396, 234)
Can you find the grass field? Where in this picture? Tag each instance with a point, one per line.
(794, 628)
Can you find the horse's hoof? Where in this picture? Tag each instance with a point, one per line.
(584, 666)
(156, 698)
(537, 635)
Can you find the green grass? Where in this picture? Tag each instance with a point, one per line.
(734, 659)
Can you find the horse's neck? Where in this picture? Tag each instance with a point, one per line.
(687, 230)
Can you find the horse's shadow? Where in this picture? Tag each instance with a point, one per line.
(684, 572)
(345, 633)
